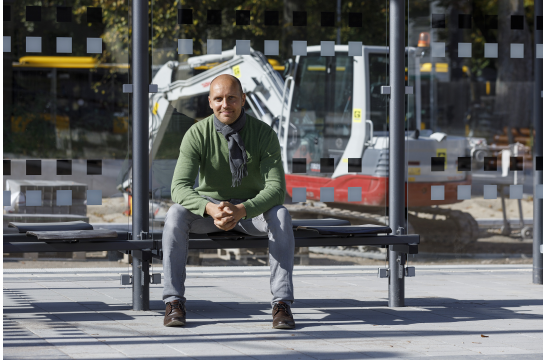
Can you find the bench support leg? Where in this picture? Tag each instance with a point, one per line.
(537, 273)
(140, 280)
(396, 278)
(396, 287)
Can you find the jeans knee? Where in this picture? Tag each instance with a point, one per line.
(176, 214)
(177, 223)
(283, 213)
(277, 215)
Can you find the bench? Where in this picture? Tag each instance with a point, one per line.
(80, 236)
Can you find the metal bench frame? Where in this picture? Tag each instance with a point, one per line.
(124, 242)
(145, 249)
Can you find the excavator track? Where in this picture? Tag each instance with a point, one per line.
(312, 210)
(455, 227)
(444, 226)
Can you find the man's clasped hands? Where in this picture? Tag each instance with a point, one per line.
(225, 214)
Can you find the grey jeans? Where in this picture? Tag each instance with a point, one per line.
(276, 223)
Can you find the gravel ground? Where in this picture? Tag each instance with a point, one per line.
(111, 210)
(492, 209)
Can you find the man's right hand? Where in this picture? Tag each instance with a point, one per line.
(223, 218)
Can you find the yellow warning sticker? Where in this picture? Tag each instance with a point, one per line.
(414, 171)
(155, 108)
(356, 117)
(236, 71)
(411, 179)
(442, 153)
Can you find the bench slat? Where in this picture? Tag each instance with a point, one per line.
(320, 222)
(348, 230)
(72, 235)
(54, 226)
(81, 225)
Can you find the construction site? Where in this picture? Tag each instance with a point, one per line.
(295, 179)
(468, 192)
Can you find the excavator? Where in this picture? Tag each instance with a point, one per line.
(331, 117)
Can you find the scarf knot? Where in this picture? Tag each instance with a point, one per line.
(237, 152)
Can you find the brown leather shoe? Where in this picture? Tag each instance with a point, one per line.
(174, 314)
(282, 316)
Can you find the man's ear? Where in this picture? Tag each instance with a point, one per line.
(243, 99)
(210, 103)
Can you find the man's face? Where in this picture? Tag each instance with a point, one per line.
(226, 100)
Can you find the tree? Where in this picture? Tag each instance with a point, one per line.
(514, 88)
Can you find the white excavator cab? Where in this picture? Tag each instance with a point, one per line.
(320, 109)
(337, 112)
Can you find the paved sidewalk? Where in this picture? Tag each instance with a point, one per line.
(453, 312)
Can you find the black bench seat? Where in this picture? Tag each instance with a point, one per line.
(310, 232)
(348, 230)
(52, 226)
(73, 234)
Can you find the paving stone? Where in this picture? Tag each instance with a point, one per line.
(338, 316)
(97, 356)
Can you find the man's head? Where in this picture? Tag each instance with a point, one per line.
(226, 98)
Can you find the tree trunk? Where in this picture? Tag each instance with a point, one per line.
(290, 32)
(514, 100)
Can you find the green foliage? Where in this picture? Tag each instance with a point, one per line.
(165, 30)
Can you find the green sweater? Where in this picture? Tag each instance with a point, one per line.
(202, 146)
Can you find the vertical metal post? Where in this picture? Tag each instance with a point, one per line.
(140, 169)
(396, 288)
(338, 22)
(54, 107)
(538, 151)
(433, 77)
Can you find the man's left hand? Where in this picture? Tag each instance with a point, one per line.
(236, 212)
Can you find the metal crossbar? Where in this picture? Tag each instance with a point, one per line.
(124, 242)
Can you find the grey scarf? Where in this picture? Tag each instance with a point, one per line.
(237, 151)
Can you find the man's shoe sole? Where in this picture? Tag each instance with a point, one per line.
(284, 326)
(175, 323)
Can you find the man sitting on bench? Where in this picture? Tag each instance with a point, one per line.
(241, 187)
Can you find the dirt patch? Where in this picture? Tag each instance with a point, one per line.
(493, 245)
(492, 209)
(111, 211)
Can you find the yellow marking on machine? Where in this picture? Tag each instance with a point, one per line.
(276, 65)
(356, 117)
(442, 153)
(323, 68)
(19, 124)
(65, 62)
(236, 71)
(414, 171)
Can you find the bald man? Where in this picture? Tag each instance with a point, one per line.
(241, 187)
